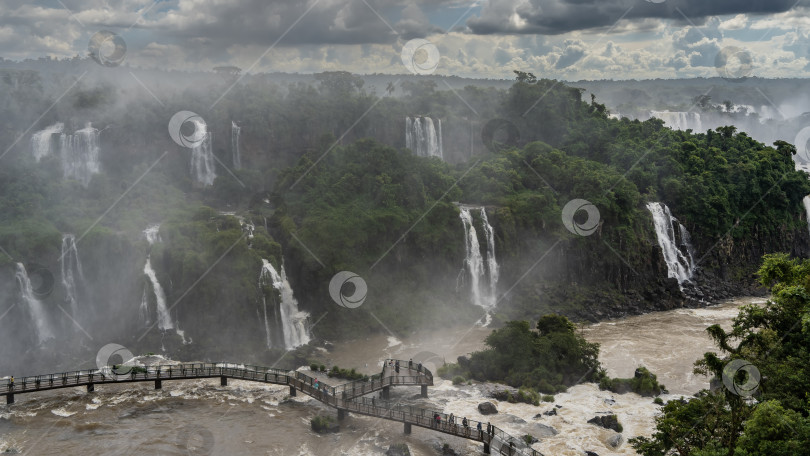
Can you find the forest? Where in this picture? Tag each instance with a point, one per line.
(326, 184)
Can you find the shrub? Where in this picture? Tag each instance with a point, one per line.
(547, 398)
(313, 367)
(458, 380)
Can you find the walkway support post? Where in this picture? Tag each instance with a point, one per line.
(386, 392)
(158, 384)
(292, 391)
(486, 448)
(223, 381)
(10, 398)
(91, 387)
(424, 391)
(342, 414)
(407, 428)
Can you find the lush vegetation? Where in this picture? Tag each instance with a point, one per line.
(326, 173)
(774, 339)
(348, 374)
(547, 360)
(644, 383)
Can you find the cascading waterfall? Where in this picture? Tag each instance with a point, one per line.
(421, 137)
(144, 309)
(237, 159)
(33, 305)
(483, 276)
(164, 318)
(679, 120)
(71, 268)
(202, 157)
(42, 141)
(806, 202)
(675, 244)
(79, 153)
(293, 321)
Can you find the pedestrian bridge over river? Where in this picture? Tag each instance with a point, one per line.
(346, 398)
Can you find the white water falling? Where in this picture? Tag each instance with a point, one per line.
(144, 309)
(79, 153)
(677, 252)
(421, 137)
(679, 120)
(483, 277)
(237, 158)
(806, 202)
(293, 321)
(33, 305)
(202, 158)
(71, 268)
(164, 318)
(42, 140)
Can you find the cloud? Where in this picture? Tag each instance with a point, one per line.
(562, 16)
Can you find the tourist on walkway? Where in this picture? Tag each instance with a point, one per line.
(480, 431)
(410, 363)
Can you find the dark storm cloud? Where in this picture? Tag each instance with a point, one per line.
(561, 16)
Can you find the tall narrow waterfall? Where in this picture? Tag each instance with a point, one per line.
(293, 321)
(35, 309)
(679, 120)
(202, 158)
(483, 275)
(806, 202)
(237, 158)
(674, 241)
(42, 141)
(422, 138)
(71, 269)
(164, 318)
(79, 153)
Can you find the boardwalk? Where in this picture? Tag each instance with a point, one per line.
(346, 398)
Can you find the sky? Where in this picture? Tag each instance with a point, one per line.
(559, 39)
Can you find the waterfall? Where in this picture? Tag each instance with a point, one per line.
(202, 157)
(79, 153)
(421, 137)
(293, 321)
(237, 159)
(71, 267)
(677, 252)
(42, 141)
(164, 318)
(144, 309)
(33, 305)
(679, 120)
(483, 276)
(806, 202)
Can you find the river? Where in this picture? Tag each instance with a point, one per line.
(201, 417)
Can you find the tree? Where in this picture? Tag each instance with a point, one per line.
(522, 76)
